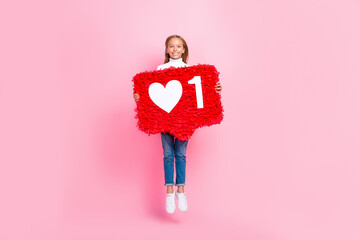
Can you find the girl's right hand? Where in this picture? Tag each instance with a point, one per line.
(136, 97)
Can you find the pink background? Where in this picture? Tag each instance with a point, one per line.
(284, 163)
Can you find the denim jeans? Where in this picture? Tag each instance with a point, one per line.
(174, 148)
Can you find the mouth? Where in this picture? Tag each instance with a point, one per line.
(175, 54)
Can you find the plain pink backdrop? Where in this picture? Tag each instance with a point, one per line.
(283, 165)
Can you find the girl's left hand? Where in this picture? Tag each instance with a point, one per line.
(218, 87)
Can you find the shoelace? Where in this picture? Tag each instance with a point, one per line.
(170, 195)
(169, 198)
(182, 199)
(181, 195)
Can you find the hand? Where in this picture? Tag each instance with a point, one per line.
(136, 97)
(218, 87)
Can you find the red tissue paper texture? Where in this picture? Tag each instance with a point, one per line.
(185, 117)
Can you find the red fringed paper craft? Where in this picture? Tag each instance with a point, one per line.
(192, 111)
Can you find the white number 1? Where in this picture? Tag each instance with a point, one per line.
(199, 97)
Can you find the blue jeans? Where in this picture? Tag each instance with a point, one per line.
(174, 147)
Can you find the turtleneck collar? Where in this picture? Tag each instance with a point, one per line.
(175, 60)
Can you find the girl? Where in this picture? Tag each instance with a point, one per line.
(176, 55)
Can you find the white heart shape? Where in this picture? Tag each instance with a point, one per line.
(166, 98)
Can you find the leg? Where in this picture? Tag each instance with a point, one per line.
(168, 150)
(180, 156)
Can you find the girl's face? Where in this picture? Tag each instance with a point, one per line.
(175, 48)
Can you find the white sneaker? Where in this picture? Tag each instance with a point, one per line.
(170, 202)
(182, 204)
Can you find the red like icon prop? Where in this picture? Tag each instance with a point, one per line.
(178, 100)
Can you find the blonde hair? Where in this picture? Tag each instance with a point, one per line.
(184, 56)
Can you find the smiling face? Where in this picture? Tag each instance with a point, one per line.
(175, 48)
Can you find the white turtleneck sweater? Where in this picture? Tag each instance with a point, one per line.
(173, 63)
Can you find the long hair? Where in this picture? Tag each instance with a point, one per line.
(184, 56)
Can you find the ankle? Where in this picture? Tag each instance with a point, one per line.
(169, 189)
(180, 189)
